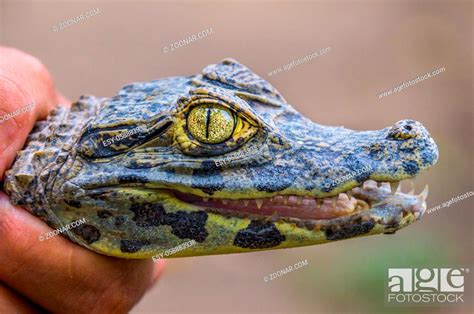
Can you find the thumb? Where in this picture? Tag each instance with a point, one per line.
(27, 94)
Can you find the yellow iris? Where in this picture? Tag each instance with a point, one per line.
(210, 124)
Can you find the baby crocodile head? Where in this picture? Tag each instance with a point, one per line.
(219, 159)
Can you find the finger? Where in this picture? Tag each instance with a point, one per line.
(157, 272)
(27, 94)
(11, 302)
(56, 273)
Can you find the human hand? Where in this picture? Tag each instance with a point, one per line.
(56, 274)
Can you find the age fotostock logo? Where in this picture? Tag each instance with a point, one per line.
(425, 285)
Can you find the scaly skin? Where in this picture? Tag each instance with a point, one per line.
(202, 175)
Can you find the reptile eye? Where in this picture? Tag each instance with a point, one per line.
(212, 128)
(211, 124)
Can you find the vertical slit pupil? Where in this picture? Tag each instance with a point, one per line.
(208, 120)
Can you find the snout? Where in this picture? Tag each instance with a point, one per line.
(333, 160)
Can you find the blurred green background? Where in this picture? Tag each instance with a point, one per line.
(375, 45)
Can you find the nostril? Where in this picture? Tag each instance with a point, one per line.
(403, 130)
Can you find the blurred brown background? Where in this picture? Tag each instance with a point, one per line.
(375, 45)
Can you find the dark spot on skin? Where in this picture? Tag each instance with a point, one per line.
(328, 185)
(188, 225)
(209, 180)
(264, 179)
(184, 225)
(208, 191)
(119, 221)
(73, 203)
(349, 231)
(209, 165)
(308, 186)
(147, 215)
(123, 179)
(392, 225)
(407, 150)
(89, 233)
(103, 214)
(132, 246)
(259, 235)
(411, 167)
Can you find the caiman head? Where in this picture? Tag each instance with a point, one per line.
(219, 158)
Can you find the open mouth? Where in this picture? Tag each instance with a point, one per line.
(369, 195)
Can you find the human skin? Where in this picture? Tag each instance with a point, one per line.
(53, 274)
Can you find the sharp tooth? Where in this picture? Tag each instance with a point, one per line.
(369, 184)
(205, 199)
(319, 202)
(299, 200)
(225, 202)
(278, 199)
(259, 203)
(420, 200)
(292, 199)
(385, 185)
(394, 186)
(334, 201)
(285, 199)
(349, 194)
(411, 182)
(424, 194)
(246, 202)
